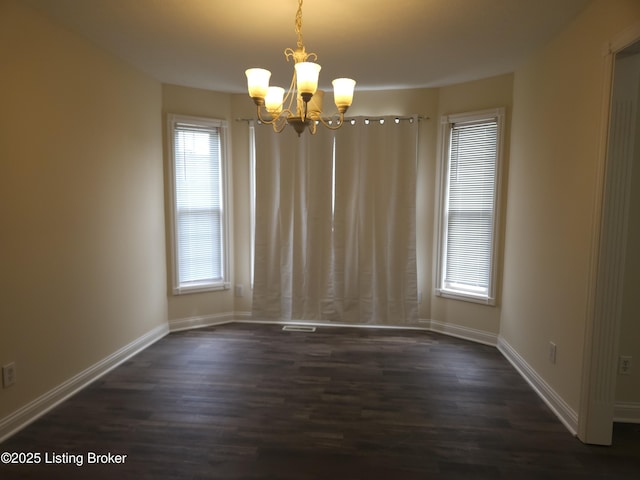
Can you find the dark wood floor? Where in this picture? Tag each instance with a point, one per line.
(253, 402)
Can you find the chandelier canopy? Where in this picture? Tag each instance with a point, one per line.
(303, 90)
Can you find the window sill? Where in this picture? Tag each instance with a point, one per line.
(186, 290)
(465, 297)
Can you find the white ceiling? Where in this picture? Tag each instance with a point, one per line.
(380, 43)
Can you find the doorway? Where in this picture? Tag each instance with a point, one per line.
(614, 308)
(625, 99)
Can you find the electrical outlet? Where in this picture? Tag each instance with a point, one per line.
(239, 290)
(552, 352)
(8, 374)
(624, 365)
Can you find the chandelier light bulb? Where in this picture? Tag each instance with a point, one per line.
(307, 74)
(274, 100)
(343, 92)
(258, 82)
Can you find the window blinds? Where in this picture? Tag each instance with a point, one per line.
(198, 205)
(470, 212)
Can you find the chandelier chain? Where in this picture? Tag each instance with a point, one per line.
(299, 25)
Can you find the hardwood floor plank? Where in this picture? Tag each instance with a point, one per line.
(244, 401)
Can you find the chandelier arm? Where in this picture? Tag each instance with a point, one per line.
(264, 120)
(300, 55)
(289, 54)
(290, 95)
(283, 115)
(279, 128)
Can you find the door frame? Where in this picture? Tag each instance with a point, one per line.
(597, 399)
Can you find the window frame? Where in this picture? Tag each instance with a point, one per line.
(199, 122)
(447, 123)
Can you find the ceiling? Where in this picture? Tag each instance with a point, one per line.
(382, 44)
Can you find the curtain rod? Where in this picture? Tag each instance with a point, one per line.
(366, 117)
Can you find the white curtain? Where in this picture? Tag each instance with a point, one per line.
(335, 224)
(293, 220)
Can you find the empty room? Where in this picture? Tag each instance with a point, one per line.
(333, 239)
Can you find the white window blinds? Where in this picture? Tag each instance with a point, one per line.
(469, 209)
(199, 209)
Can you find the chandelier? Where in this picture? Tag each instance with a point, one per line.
(301, 105)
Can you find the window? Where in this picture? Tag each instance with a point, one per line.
(199, 216)
(468, 216)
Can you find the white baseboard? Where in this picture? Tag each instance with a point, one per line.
(627, 412)
(33, 410)
(207, 320)
(320, 323)
(246, 317)
(562, 410)
(466, 333)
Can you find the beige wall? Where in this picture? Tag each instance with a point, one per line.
(201, 103)
(468, 97)
(82, 246)
(557, 120)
